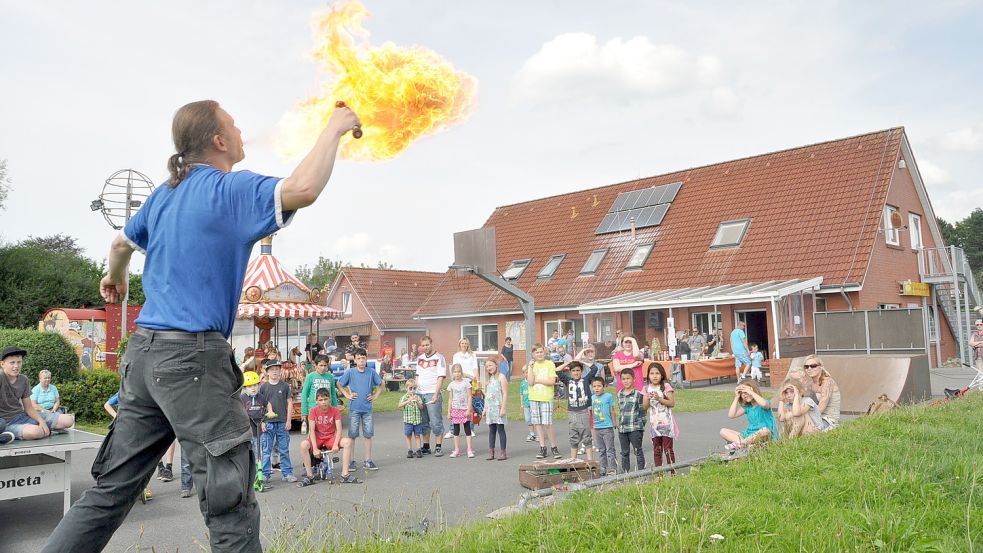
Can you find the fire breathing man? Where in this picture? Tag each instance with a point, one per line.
(178, 375)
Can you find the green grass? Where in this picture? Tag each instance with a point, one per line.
(95, 427)
(908, 480)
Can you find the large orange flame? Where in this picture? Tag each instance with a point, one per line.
(399, 93)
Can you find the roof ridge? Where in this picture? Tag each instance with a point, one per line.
(696, 167)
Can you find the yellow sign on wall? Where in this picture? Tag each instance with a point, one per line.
(909, 288)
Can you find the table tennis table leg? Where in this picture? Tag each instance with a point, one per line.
(68, 482)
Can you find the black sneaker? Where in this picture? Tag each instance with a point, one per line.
(352, 466)
(419, 454)
(350, 479)
(437, 452)
(409, 454)
(950, 393)
(307, 481)
(426, 449)
(556, 453)
(160, 470)
(542, 453)
(167, 474)
(7, 437)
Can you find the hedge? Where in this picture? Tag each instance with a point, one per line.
(45, 350)
(85, 397)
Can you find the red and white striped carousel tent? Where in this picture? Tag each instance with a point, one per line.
(270, 291)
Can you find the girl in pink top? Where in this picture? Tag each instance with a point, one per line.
(629, 357)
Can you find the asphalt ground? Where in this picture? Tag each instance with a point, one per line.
(400, 496)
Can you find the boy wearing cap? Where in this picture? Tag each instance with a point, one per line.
(280, 402)
(23, 421)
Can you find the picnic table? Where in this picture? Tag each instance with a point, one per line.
(38, 467)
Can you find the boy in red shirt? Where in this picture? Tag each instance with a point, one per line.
(324, 422)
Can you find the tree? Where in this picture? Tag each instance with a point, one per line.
(968, 235)
(948, 231)
(4, 183)
(137, 296)
(379, 265)
(61, 243)
(34, 279)
(321, 275)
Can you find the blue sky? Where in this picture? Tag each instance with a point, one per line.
(569, 97)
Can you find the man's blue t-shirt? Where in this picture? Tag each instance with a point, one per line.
(601, 409)
(197, 238)
(362, 383)
(737, 338)
(113, 401)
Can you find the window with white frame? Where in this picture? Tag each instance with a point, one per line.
(707, 321)
(346, 303)
(516, 269)
(915, 230)
(551, 266)
(933, 329)
(482, 337)
(593, 262)
(730, 234)
(640, 256)
(892, 234)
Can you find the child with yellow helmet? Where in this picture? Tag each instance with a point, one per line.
(258, 408)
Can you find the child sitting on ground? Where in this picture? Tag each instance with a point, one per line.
(659, 400)
(412, 405)
(324, 438)
(602, 411)
(757, 359)
(798, 410)
(578, 404)
(761, 423)
(631, 421)
(459, 409)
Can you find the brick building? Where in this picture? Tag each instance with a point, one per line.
(768, 239)
(378, 305)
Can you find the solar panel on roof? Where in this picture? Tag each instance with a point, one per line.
(648, 206)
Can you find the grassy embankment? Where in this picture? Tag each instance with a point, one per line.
(908, 480)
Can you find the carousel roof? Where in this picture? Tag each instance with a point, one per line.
(269, 290)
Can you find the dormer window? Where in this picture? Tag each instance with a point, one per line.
(516, 269)
(551, 266)
(730, 234)
(640, 256)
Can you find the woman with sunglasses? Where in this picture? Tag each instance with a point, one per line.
(826, 388)
(628, 357)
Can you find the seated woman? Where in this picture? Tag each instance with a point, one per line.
(798, 410)
(826, 389)
(761, 425)
(45, 395)
(23, 420)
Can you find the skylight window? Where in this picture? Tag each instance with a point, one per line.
(516, 269)
(551, 266)
(640, 256)
(593, 262)
(730, 234)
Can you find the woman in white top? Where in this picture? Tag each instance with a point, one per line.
(468, 361)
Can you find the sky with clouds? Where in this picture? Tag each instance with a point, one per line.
(571, 95)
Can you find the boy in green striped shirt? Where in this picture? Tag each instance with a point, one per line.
(412, 405)
(320, 378)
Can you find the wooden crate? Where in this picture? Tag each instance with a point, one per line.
(543, 474)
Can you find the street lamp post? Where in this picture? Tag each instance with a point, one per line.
(122, 195)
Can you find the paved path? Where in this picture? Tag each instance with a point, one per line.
(401, 494)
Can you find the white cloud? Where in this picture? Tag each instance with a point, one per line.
(722, 100)
(967, 139)
(362, 248)
(932, 173)
(576, 64)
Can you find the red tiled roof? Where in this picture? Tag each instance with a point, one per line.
(814, 209)
(391, 296)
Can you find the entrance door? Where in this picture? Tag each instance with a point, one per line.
(401, 344)
(757, 329)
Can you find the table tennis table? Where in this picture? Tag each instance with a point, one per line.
(38, 467)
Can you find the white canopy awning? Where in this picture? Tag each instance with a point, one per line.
(727, 294)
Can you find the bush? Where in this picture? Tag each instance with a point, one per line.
(85, 396)
(45, 350)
